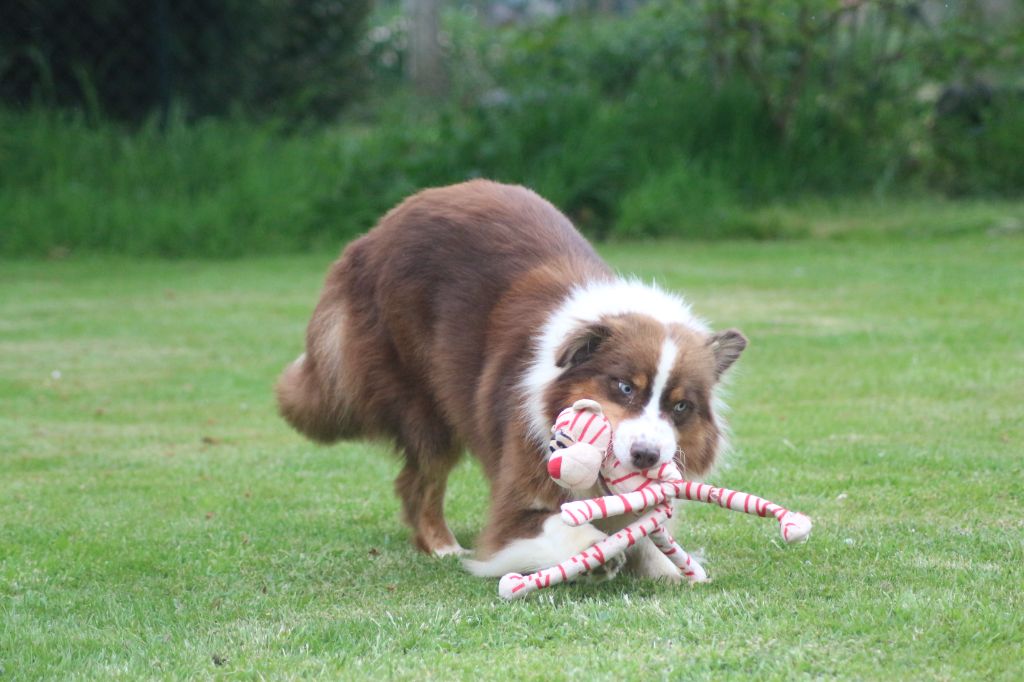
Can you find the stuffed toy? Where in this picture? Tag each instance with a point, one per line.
(580, 456)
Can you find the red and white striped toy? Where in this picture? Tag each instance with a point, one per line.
(580, 455)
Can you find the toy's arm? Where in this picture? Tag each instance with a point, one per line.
(634, 492)
(584, 511)
(793, 526)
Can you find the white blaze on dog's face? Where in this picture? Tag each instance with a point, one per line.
(649, 438)
(656, 381)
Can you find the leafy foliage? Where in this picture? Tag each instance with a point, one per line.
(292, 59)
(688, 119)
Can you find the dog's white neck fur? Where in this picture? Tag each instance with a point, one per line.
(587, 304)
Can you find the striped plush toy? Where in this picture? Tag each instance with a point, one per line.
(580, 455)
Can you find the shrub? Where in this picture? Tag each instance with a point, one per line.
(684, 119)
(294, 59)
(692, 203)
(979, 146)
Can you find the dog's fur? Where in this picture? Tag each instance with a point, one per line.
(469, 317)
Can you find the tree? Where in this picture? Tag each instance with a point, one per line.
(425, 65)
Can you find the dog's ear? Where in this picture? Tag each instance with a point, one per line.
(726, 347)
(581, 344)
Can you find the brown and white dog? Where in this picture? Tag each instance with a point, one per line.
(468, 318)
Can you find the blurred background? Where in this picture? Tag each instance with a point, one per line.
(229, 127)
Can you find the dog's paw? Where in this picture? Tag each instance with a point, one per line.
(648, 562)
(451, 550)
(606, 571)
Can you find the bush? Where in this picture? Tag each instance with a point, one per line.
(979, 147)
(293, 59)
(693, 203)
(686, 119)
(784, 98)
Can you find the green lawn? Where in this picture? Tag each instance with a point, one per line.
(158, 520)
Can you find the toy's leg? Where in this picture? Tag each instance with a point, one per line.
(688, 566)
(793, 525)
(514, 585)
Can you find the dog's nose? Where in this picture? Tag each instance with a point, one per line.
(643, 456)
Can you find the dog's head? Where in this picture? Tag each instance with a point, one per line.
(655, 379)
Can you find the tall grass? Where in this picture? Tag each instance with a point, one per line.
(663, 161)
(214, 188)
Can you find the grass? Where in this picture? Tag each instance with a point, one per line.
(157, 520)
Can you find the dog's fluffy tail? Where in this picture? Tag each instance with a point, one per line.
(314, 406)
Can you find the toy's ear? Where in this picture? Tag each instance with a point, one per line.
(727, 347)
(582, 343)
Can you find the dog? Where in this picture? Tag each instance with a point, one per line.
(467, 319)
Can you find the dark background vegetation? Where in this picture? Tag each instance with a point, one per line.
(216, 128)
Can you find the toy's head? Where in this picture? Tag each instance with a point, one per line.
(656, 384)
(579, 445)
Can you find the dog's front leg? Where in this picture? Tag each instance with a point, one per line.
(514, 585)
(554, 543)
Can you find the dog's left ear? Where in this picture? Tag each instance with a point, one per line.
(726, 347)
(581, 344)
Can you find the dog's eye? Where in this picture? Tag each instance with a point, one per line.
(682, 407)
(626, 388)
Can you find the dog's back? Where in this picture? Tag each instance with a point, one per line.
(410, 315)
(405, 309)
